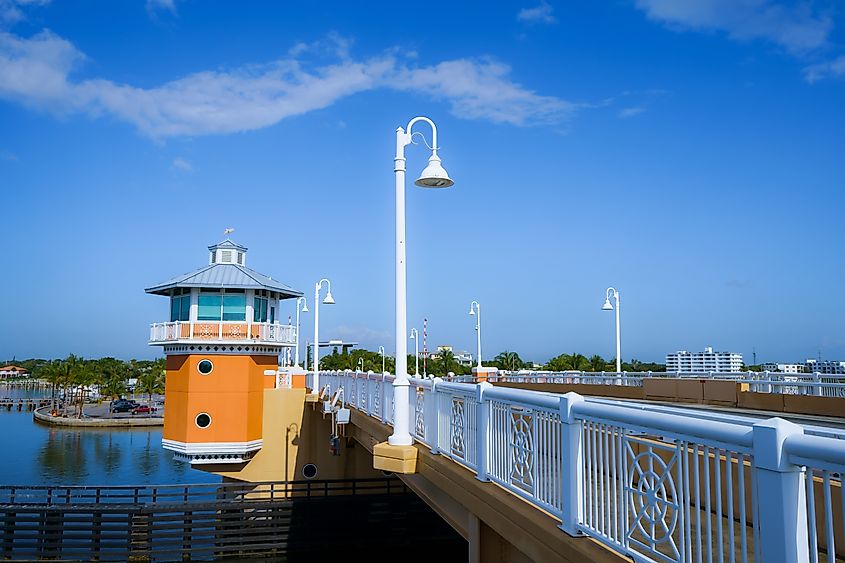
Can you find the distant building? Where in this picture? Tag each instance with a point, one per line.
(463, 358)
(825, 366)
(9, 372)
(783, 368)
(702, 362)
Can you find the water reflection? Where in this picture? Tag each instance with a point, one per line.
(37, 454)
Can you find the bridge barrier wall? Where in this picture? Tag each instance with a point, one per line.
(653, 485)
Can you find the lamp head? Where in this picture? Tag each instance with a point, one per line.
(607, 306)
(471, 310)
(305, 307)
(329, 300)
(434, 175)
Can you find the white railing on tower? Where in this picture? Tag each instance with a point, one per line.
(653, 485)
(242, 331)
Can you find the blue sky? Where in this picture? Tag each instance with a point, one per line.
(689, 153)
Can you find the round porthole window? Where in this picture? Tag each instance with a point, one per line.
(203, 420)
(309, 470)
(205, 367)
(387, 473)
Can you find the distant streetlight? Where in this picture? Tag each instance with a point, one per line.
(329, 300)
(415, 335)
(381, 351)
(432, 176)
(608, 307)
(304, 310)
(477, 312)
(360, 364)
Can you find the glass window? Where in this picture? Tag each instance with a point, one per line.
(259, 310)
(234, 307)
(180, 308)
(240, 257)
(212, 257)
(209, 307)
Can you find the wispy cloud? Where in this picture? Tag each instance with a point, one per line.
(830, 69)
(537, 14)
(38, 71)
(11, 10)
(156, 6)
(625, 113)
(795, 26)
(182, 165)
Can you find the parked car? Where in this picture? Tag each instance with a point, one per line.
(142, 409)
(122, 405)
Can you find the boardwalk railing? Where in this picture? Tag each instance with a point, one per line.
(184, 522)
(656, 486)
(816, 384)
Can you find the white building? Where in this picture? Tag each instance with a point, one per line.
(825, 366)
(783, 368)
(703, 362)
(463, 358)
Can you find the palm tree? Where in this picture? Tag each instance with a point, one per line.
(508, 361)
(152, 381)
(597, 363)
(447, 358)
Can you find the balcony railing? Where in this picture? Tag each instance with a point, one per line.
(225, 331)
(655, 486)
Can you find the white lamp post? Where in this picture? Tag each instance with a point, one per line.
(415, 335)
(360, 364)
(329, 300)
(477, 312)
(381, 351)
(433, 176)
(304, 310)
(608, 307)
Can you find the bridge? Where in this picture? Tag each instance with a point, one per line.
(541, 476)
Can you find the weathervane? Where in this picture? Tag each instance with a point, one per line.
(228, 230)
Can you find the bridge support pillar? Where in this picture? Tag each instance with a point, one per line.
(398, 459)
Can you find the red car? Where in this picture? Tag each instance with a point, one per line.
(142, 409)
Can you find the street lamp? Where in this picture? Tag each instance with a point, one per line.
(432, 176)
(304, 310)
(415, 335)
(381, 351)
(329, 300)
(360, 364)
(608, 307)
(477, 312)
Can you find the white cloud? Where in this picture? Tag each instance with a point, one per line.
(796, 26)
(630, 112)
(830, 69)
(38, 72)
(537, 14)
(182, 165)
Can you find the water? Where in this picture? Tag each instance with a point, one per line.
(37, 454)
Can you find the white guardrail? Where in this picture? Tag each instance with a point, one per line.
(274, 333)
(817, 384)
(655, 486)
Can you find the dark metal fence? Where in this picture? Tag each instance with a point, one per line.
(210, 521)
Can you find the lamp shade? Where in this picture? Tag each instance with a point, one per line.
(434, 175)
(471, 310)
(329, 300)
(607, 306)
(304, 307)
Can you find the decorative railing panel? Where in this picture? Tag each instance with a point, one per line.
(264, 333)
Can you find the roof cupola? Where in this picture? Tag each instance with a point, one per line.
(227, 252)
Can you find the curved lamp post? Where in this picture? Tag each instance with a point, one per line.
(432, 176)
(304, 310)
(415, 335)
(475, 309)
(360, 364)
(329, 300)
(381, 351)
(608, 307)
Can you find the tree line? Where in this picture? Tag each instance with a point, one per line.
(504, 361)
(70, 376)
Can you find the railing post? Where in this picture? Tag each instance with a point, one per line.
(432, 416)
(482, 430)
(817, 378)
(781, 496)
(572, 451)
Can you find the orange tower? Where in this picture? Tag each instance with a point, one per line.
(222, 345)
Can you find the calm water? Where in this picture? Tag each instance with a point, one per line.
(36, 454)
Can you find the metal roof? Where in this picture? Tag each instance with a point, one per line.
(224, 276)
(228, 243)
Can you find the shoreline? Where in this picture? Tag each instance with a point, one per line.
(42, 415)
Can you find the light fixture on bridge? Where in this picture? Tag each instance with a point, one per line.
(611, 291)
(607, 306)
(329, 300)
(434, 175)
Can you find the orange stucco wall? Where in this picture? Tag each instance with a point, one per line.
(232, 395)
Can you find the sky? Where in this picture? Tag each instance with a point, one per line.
(687, 152)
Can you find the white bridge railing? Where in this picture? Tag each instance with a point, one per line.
(655, 486)
(817, 384)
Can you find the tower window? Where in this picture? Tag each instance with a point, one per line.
(309, 470)
(240, 258)
(212, 257)
(205, 367)
(203, 420)
(226, 256)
